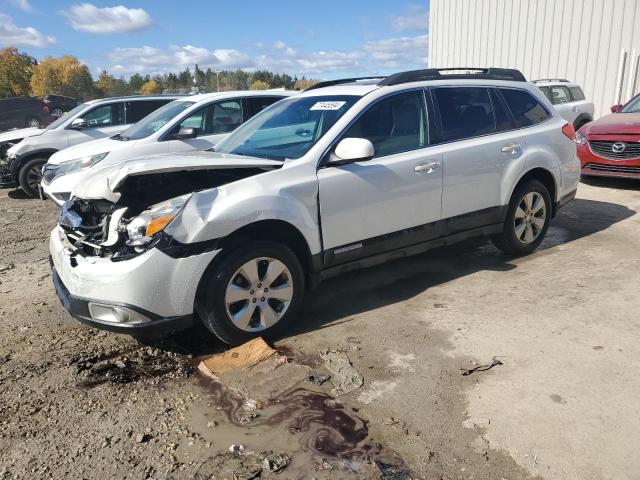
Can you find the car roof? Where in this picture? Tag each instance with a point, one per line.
(199, 97)
(555, 82)
(172, 96)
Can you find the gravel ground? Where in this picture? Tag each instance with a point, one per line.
(80, 403)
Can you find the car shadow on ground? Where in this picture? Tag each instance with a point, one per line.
(612, 182)
(18, 194)
(338, 299)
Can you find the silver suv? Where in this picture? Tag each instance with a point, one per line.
(346, 175)
(569, 100)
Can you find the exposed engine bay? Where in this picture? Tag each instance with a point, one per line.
(147, 203)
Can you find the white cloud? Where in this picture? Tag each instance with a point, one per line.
(415, 19)
(13, 36)
(398, 52)
(120, 19)
(153, 60)
(370, 58)
(22, 5)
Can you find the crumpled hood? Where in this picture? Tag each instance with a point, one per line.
(103, 183)
(20, 133)
(614, 123)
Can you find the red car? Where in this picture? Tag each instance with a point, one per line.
(610, 146)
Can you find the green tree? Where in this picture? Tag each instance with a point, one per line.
(108, 86)
(15, 72)
(135, 82)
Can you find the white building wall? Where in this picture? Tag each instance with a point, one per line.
(595, 43)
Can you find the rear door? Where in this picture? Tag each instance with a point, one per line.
(479, 142)
(104, 120)
(392, 200)
(211, 122)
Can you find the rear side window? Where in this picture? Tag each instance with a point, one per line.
(465, 112)
(576, 93)
(226, 117)
(526, 109)
(137, 110)
(257, 104)
(394, 125)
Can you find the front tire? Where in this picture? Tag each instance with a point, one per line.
(256, 290)
(30, 176)
(527, 220)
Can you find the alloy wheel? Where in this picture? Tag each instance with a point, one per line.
(530, 217)
(34, 123)
(34, 176)
(259, 294)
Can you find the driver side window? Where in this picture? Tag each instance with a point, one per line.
(105, 116)
(394, 125)
(195, 121)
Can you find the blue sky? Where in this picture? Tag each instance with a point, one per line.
(326, 39)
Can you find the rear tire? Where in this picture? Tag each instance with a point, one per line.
(527, 220)
(256, 290)
(30, 176)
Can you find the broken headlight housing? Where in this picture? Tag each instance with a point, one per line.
(144, 227)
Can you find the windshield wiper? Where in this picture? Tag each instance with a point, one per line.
(120, 137)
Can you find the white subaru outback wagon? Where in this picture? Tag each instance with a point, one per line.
(348, 174)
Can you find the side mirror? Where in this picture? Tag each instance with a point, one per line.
(78, 124)
(184, 133)
(352, 150)
(616, 108)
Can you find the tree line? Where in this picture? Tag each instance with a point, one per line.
(21, 74)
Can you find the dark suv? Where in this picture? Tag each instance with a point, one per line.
(59, 104)
(19, 112)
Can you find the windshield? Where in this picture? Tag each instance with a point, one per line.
(66, 116)
(154, 121)
(633, 106)
(287, 129)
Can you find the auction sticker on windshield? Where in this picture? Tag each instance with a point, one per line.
(328, 106)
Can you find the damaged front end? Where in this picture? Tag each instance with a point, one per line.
(146, 205)
(7, 177)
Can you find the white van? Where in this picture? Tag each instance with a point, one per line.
(196, 122)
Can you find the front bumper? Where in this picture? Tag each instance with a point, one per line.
(594, 165)
(157, 291)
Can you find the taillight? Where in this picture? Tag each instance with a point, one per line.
(45, 109)
(569, 131)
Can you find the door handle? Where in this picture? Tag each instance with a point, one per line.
(512, 149)
(426, 167)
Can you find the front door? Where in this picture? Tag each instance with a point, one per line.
(102, 121)
(390, 201)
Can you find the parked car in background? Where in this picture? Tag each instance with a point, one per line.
(348, 174)
(27, 150)
(20, 112)
(196, 122)
(569, 100)
(610, 146)
(59, 104)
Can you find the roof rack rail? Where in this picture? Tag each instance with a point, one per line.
(454, 73)
(559, 80)
(340, 81)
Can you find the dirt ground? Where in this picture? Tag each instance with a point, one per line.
(80, 403)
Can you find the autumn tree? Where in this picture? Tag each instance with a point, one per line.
(135, 82)
(109, 86)
(259, 85)
(62, 76)
(15, 72)
(303, 84)
(150, 87)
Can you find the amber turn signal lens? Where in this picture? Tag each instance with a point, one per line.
(157, 225)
